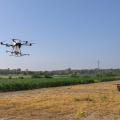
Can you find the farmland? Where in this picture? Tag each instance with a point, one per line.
(27, 83)
(71, 95)
(16, 79)
(97, 101)
(15, 84)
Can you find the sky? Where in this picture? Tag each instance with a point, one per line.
(68, 33)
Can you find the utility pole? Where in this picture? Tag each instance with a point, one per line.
(98, 69)
(98, 64)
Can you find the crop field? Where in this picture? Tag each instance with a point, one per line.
(97, 101)
(28, 83)
(15, 84)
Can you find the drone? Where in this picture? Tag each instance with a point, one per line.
(16, 47)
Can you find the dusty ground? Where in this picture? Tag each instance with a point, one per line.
(99, 101)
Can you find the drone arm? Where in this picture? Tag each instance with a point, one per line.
(6, 44)
(27, 44)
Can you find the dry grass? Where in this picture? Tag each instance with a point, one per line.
(62, 103)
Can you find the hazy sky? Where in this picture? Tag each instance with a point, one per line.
(68, 33)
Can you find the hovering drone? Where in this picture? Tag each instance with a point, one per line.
(16, 47)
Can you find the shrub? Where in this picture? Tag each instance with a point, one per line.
(9, 77)
(21, 77)
(48, 76)
(75, 75)
(36, 76)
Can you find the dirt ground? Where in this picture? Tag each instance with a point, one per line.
(99, 101)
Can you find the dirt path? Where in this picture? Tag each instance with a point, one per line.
(99, 101)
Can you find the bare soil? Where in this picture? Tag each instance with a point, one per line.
(99, 101)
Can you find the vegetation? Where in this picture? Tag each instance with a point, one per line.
(33, 80)
(27, 83)
(21, 83)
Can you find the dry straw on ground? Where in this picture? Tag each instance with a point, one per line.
(63, 103)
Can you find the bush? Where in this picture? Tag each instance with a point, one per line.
(75, 75)
(9, 77)
(36, 76)
(21, 77)
(48, 76)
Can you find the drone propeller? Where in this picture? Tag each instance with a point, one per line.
(14, 40)
(1, 43)
(26, 42)
(31, 44)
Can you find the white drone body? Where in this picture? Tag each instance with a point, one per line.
(16, 47)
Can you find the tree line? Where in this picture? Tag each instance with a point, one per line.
(69, 71)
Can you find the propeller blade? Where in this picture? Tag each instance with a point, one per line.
(14, 40)
(26, 42)
(2, 42)
(31, 44)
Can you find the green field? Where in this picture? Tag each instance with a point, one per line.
(27, 83)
